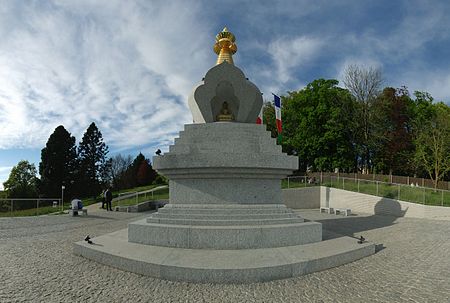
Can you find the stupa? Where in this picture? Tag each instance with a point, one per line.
(226, 221)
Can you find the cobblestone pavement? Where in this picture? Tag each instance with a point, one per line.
(37, 265)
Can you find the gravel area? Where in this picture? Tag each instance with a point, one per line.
(37, 265)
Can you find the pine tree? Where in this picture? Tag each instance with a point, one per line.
(58, 164)
(93, 161)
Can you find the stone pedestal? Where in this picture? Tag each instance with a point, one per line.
(225, 222)
(225, 192)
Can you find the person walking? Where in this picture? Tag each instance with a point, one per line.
(108, 199)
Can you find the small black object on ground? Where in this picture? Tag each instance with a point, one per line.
(88, 239)
(361, 240)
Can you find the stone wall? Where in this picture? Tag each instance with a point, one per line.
(313, 197)
(302, 198)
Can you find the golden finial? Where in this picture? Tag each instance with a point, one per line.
(225, 46)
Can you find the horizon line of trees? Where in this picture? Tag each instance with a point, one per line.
(84, 170)
(364, 128)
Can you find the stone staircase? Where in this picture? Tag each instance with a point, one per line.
(224, 227)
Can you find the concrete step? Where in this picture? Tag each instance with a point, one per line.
(221, 210)
(219, 222)
(221, 266)
(209, 216)
(224, 237)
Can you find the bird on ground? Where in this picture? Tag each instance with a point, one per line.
(88, 239)
(361, 240)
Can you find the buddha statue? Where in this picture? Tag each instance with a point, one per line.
(225, 115)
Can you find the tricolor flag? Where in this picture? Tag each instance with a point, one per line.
(259, 119)
(277, 102)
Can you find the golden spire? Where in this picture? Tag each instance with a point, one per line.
(225, 46)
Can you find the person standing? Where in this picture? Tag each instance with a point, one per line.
(103, 199)
(108, 199)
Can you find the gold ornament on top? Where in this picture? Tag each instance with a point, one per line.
(225, 46)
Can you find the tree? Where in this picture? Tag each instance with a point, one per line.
(392, 131)
(145, 173)
(93, 161)
(59, 164)
(22, 181)
(318, 124)
(140, 172)
(119, 166)
(433, 143)
(364, 84)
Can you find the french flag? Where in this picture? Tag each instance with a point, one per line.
(277, 102)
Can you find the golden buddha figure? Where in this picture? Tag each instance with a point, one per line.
(225, 46)
(225, 114)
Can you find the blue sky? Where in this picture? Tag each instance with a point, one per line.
(130, 65)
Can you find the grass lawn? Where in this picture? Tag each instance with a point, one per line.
(45, 207)
(157, 195)
(136, 189)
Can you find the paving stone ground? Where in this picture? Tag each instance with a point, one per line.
(37, 265)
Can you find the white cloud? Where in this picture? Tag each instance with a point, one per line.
(130, 65)
(4, 174)
(289, 53)
(124, 66)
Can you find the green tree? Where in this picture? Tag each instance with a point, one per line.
(22, 181)
(433, 143)
(93, 162)
(392, 132)
(58, 164)
(318, 126)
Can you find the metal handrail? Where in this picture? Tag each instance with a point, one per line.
(137, 194)
(320, 181)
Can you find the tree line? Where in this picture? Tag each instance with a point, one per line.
(84, 170)
(365, 128)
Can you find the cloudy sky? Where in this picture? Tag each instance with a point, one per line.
(130, 65)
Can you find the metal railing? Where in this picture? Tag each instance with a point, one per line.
(29, 207)
(134, 198)
(410, 193)
(405, 180)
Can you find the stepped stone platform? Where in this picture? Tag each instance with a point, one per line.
(224, 227)
(223, 244)
(222, 266)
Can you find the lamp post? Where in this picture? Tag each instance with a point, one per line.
(62, 197)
